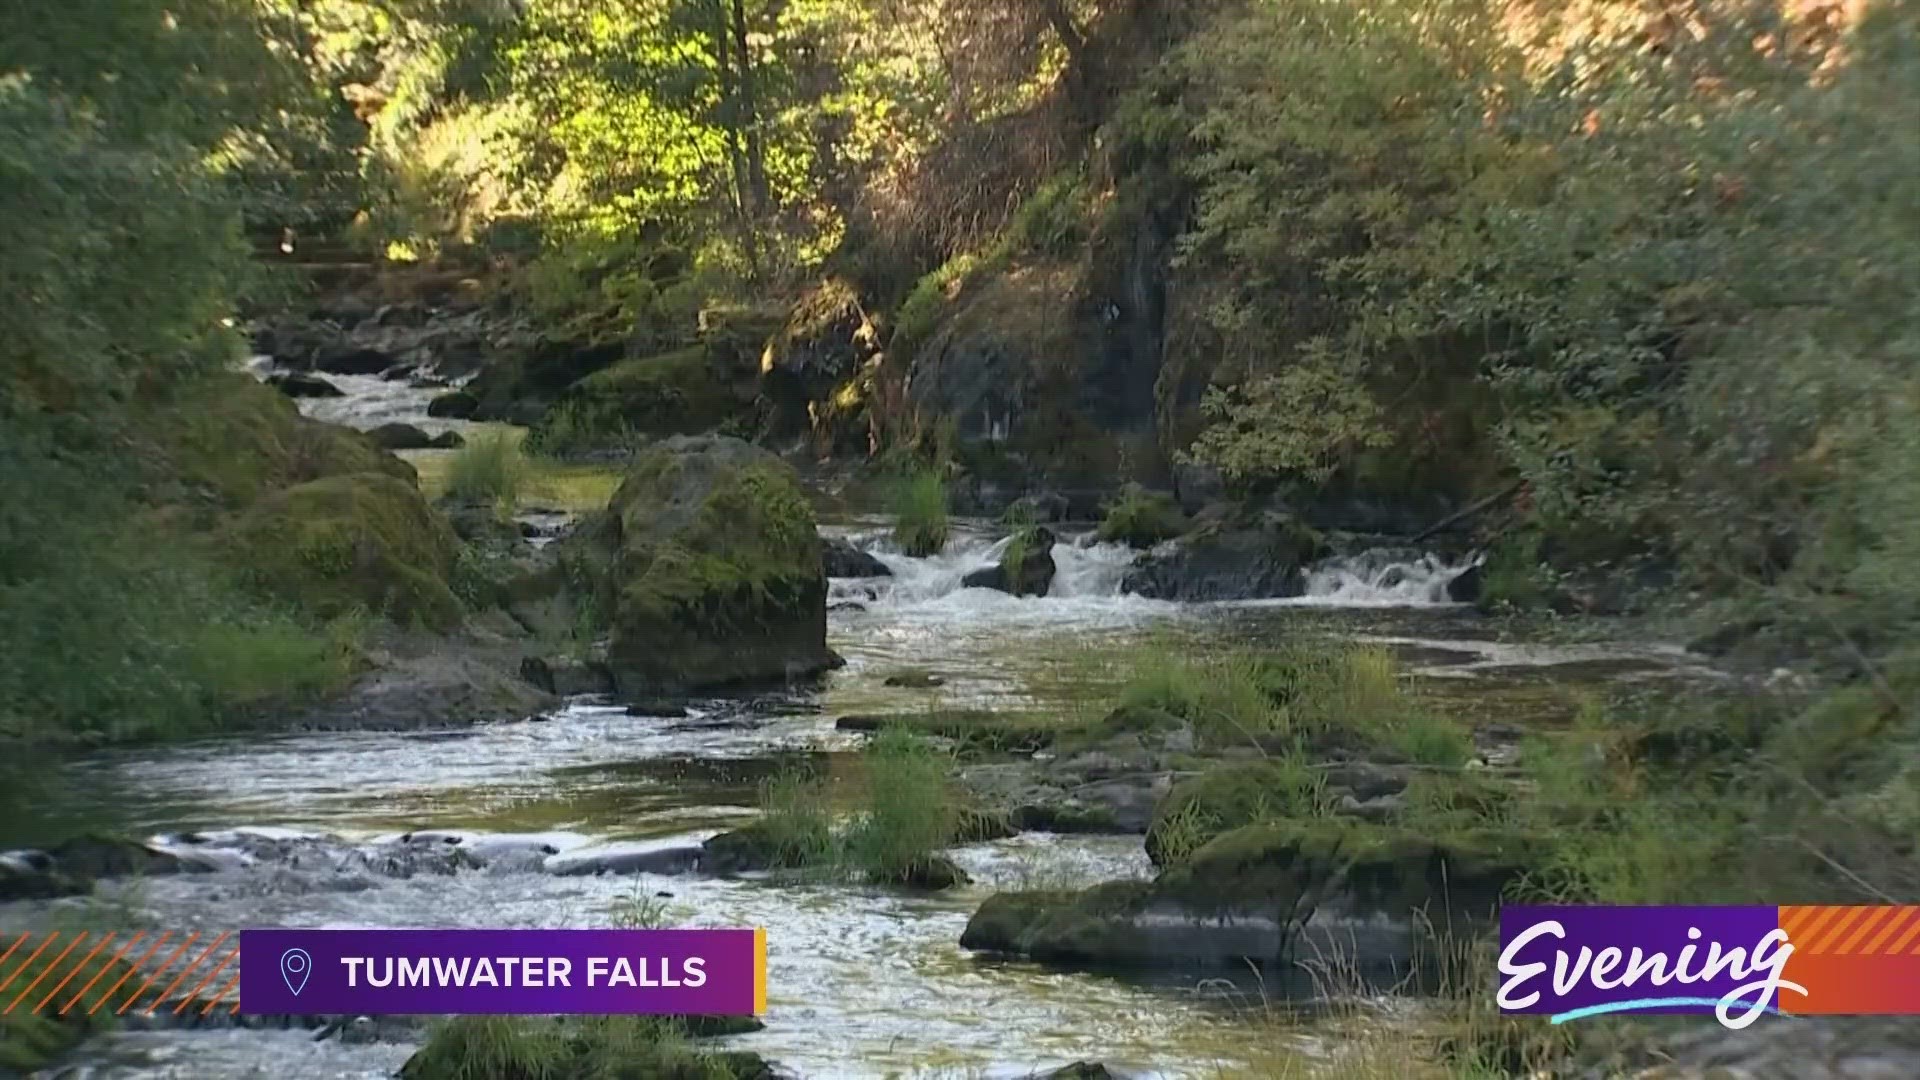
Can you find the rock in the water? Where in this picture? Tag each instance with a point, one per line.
(1466, 588)
(70, 867)
(453, 405)
(932, 873)
(915, 680)
(1026, 569)
(637, 858)
(400, 437)
(1376, 896)
(708, 566)
(662, 710)
(566, 675)
(1231, 561)
(298, 385)
(843, 560)
(447, 440)
(398, 372)
(351, 360)
(427, 692)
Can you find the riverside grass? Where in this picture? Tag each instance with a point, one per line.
(905, 813)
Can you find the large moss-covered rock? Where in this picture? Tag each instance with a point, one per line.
(708, 570)
(232, 439)
(1202, 807)
(365, 539)
(1378, 897)
(682, 392)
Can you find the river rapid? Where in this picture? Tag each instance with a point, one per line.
(862, 982)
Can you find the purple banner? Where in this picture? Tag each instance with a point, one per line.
(477, 972)
(1583, 961)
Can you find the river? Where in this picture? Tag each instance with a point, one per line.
(863, 982)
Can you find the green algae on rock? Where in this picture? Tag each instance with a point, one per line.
(707, 567)
(366, 539)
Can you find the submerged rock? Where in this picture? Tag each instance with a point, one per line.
(345, 359)
(708, 565)
(1026, 569)
(843, 560)
(400, 437)
(294, 384)
(453, 405)
(1231, 561)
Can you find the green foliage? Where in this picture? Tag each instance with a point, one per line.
(1142, 518)
(796, 820)
(566, 1048)
(1513, 574)
(920, 514)
(909, 814)
(488, 470)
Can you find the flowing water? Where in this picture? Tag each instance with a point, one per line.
(862, 983)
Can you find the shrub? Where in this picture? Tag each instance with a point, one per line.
(490, 468)
(910, 813)
(1142, 518)
(920, 514)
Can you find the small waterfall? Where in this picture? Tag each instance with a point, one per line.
(1383, 577)
(1084, 569)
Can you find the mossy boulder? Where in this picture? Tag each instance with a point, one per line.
(1142, 518)
(810, 370)
(362, 540)
(1202, 807)
(678, 393)
(230, 439)
(707, 570)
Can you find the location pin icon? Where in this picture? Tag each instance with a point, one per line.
(295, 966)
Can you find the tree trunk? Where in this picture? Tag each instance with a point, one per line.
(761, 193)
(739, 195)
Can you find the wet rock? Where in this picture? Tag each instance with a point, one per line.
(843, 560)
(708, 564)
(846, 605)
(1231, 560)
(627, 859)
(1378, 897)
(665, 710)
(447, 440)
(434, 691)
(400, 437)
(751, 849)
(1070, 817)
(931, 873)
(399, 372)
(1079, 1070)
(346, 359)
(29, 875)
(1026, 569)
(294, 384)
(453, 405)
(567, 676)
(1467, 586)
(915, 680)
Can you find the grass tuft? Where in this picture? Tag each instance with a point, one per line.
(920, 514)
(490, 468)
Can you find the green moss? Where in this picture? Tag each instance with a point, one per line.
(329, 546)
(1142, 518)
(673, 393)
(236, 439)
(572, 1048)
(1203, 807)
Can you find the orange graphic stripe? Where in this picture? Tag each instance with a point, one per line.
(1849, 917)
(16, 944)
(28, 962)
(136, 965)
(1901, 917)
(1905, 938)
(202, 984)
(167, 963)
(178, 979)
(77, 969)
(1875, 918)
(48, 970)
(1812, 919)
(222, 996)
(104, 968)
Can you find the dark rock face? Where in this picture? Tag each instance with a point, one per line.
(824, 344)
(296, 385)
(400, 437)
(708, 565)
(1026, 570)
(344, 359)
(454, 405)
(1466, 588)
(1231, 560)
(70, 867)
(567, 676)
(447, 440)
(843, 560)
